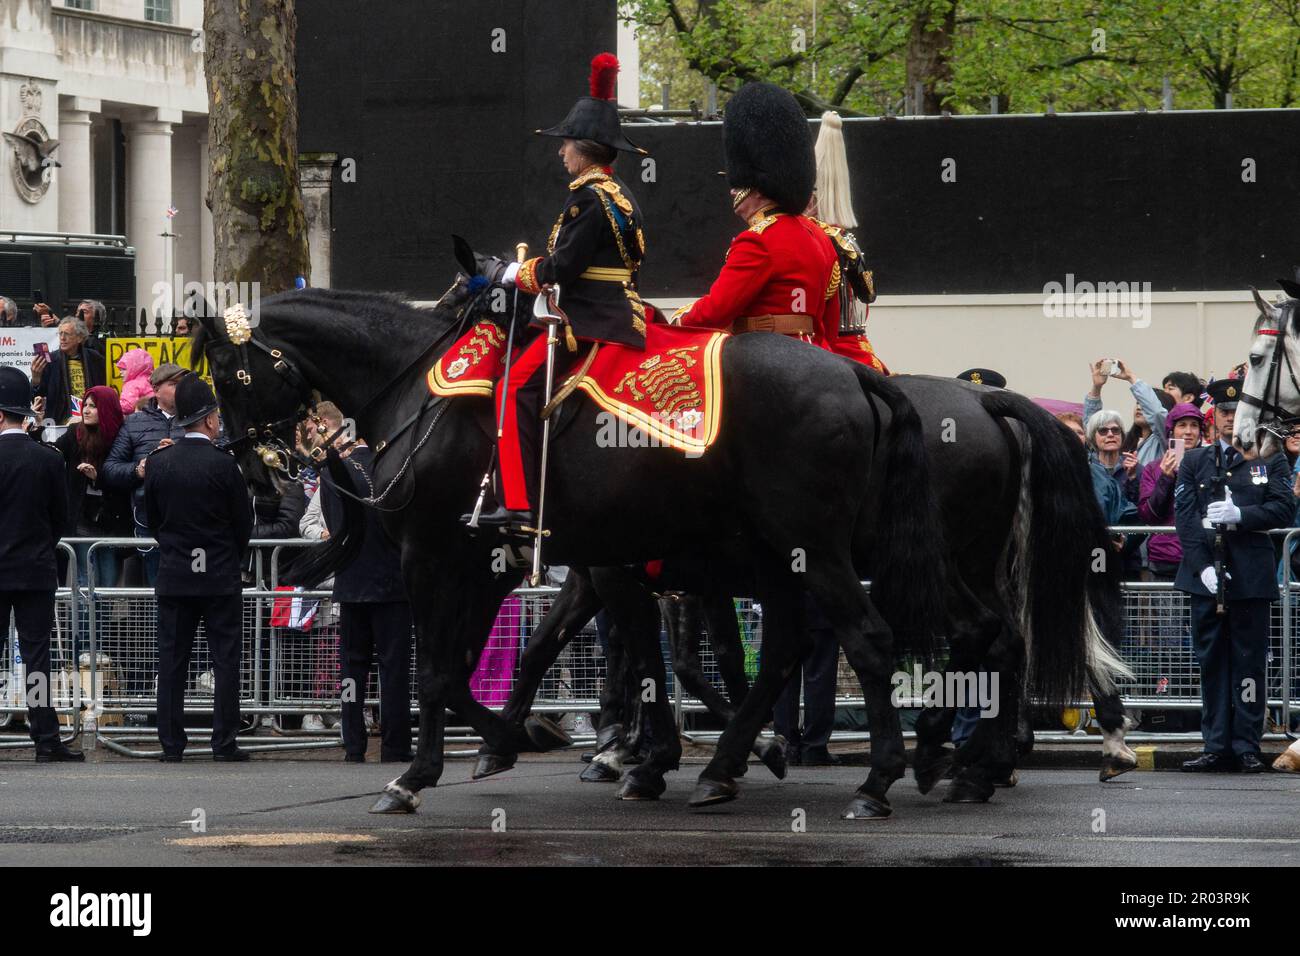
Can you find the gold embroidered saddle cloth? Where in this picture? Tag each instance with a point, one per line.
(672, 391)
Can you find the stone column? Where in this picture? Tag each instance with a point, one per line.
(316, 178)
(149, 193)
(76, 195)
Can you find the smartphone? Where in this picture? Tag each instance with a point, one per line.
(37, 296)
(41, 348)
(1178, 446)
(1115, 370)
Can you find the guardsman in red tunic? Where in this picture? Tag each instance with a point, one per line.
(593, 255)
(786, 272)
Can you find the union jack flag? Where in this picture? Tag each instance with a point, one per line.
(171, 212)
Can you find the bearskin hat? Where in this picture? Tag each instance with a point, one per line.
(595, 117)
(769, 146)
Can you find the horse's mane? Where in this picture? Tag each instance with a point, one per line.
(377, 310)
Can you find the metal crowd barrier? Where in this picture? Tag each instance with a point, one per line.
(105, 658)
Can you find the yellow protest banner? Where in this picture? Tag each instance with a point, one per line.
(162, 348)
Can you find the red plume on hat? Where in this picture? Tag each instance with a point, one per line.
(604, 75)
(595, 117)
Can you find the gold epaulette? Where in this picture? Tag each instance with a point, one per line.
(610, 188)
(758, 227)
(844, 240)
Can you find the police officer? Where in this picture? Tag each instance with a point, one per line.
(197, 507)
(35, 517)
(1221, 496)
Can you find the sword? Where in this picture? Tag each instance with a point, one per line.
(545, 309)
(521, 253)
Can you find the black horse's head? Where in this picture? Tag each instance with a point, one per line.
(263, 396)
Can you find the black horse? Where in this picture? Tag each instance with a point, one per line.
(804, 436)
(1032, 572)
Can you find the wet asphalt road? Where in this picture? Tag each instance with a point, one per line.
(138, 813)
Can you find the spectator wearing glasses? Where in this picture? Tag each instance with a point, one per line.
(72, 370)
(92, 313)
(1146, 441)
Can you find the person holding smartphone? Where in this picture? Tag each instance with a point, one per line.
(1184, 428)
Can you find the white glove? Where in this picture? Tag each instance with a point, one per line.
(508, 277)
(1223, 512)
(1210, 580)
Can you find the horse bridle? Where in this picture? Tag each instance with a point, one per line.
(274, 453)
(1283, 421)
(270, 448)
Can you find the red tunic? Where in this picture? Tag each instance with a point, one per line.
(780, 265)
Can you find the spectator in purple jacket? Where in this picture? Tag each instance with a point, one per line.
(1156, 494)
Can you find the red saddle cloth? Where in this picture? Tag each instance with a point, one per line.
(671, 392)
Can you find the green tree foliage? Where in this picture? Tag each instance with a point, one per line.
(875, 56)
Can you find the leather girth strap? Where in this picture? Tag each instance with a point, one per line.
(782, 324)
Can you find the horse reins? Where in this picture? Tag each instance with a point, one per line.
(240, 336)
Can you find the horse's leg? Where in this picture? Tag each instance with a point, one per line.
(728, 648)
(574, 606)
(453, 610)
(868, 644)
(683, 616)
(990, 753)
(614, 738)
(785, 640)
(1116, 756)
(637, 615)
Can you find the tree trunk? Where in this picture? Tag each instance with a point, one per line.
(257, 217)
(928, 50)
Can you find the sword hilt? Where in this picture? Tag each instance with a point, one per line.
(521, 251)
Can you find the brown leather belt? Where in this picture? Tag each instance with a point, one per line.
(783, 324)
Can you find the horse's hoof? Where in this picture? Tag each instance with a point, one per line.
(546, 733)
(634, 789)
(489, 764)
(1288, 761)
(597, 772)
(1112, 765)
(966, 790)
(864, 807)
(772, 754)
(396, 799)
(710, 792)
(930, 771)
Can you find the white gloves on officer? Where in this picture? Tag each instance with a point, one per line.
(1211, 580)
(1223, 512)
(508, 277)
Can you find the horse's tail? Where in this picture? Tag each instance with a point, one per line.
(1064, 575)
(906, 554)
(312, 566)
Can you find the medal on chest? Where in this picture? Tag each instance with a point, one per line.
(1258, 475)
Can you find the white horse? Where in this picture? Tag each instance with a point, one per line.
(1270, 402)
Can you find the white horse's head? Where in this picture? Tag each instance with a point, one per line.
(1271, 392)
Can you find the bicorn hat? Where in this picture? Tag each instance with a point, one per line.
(595, 117)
